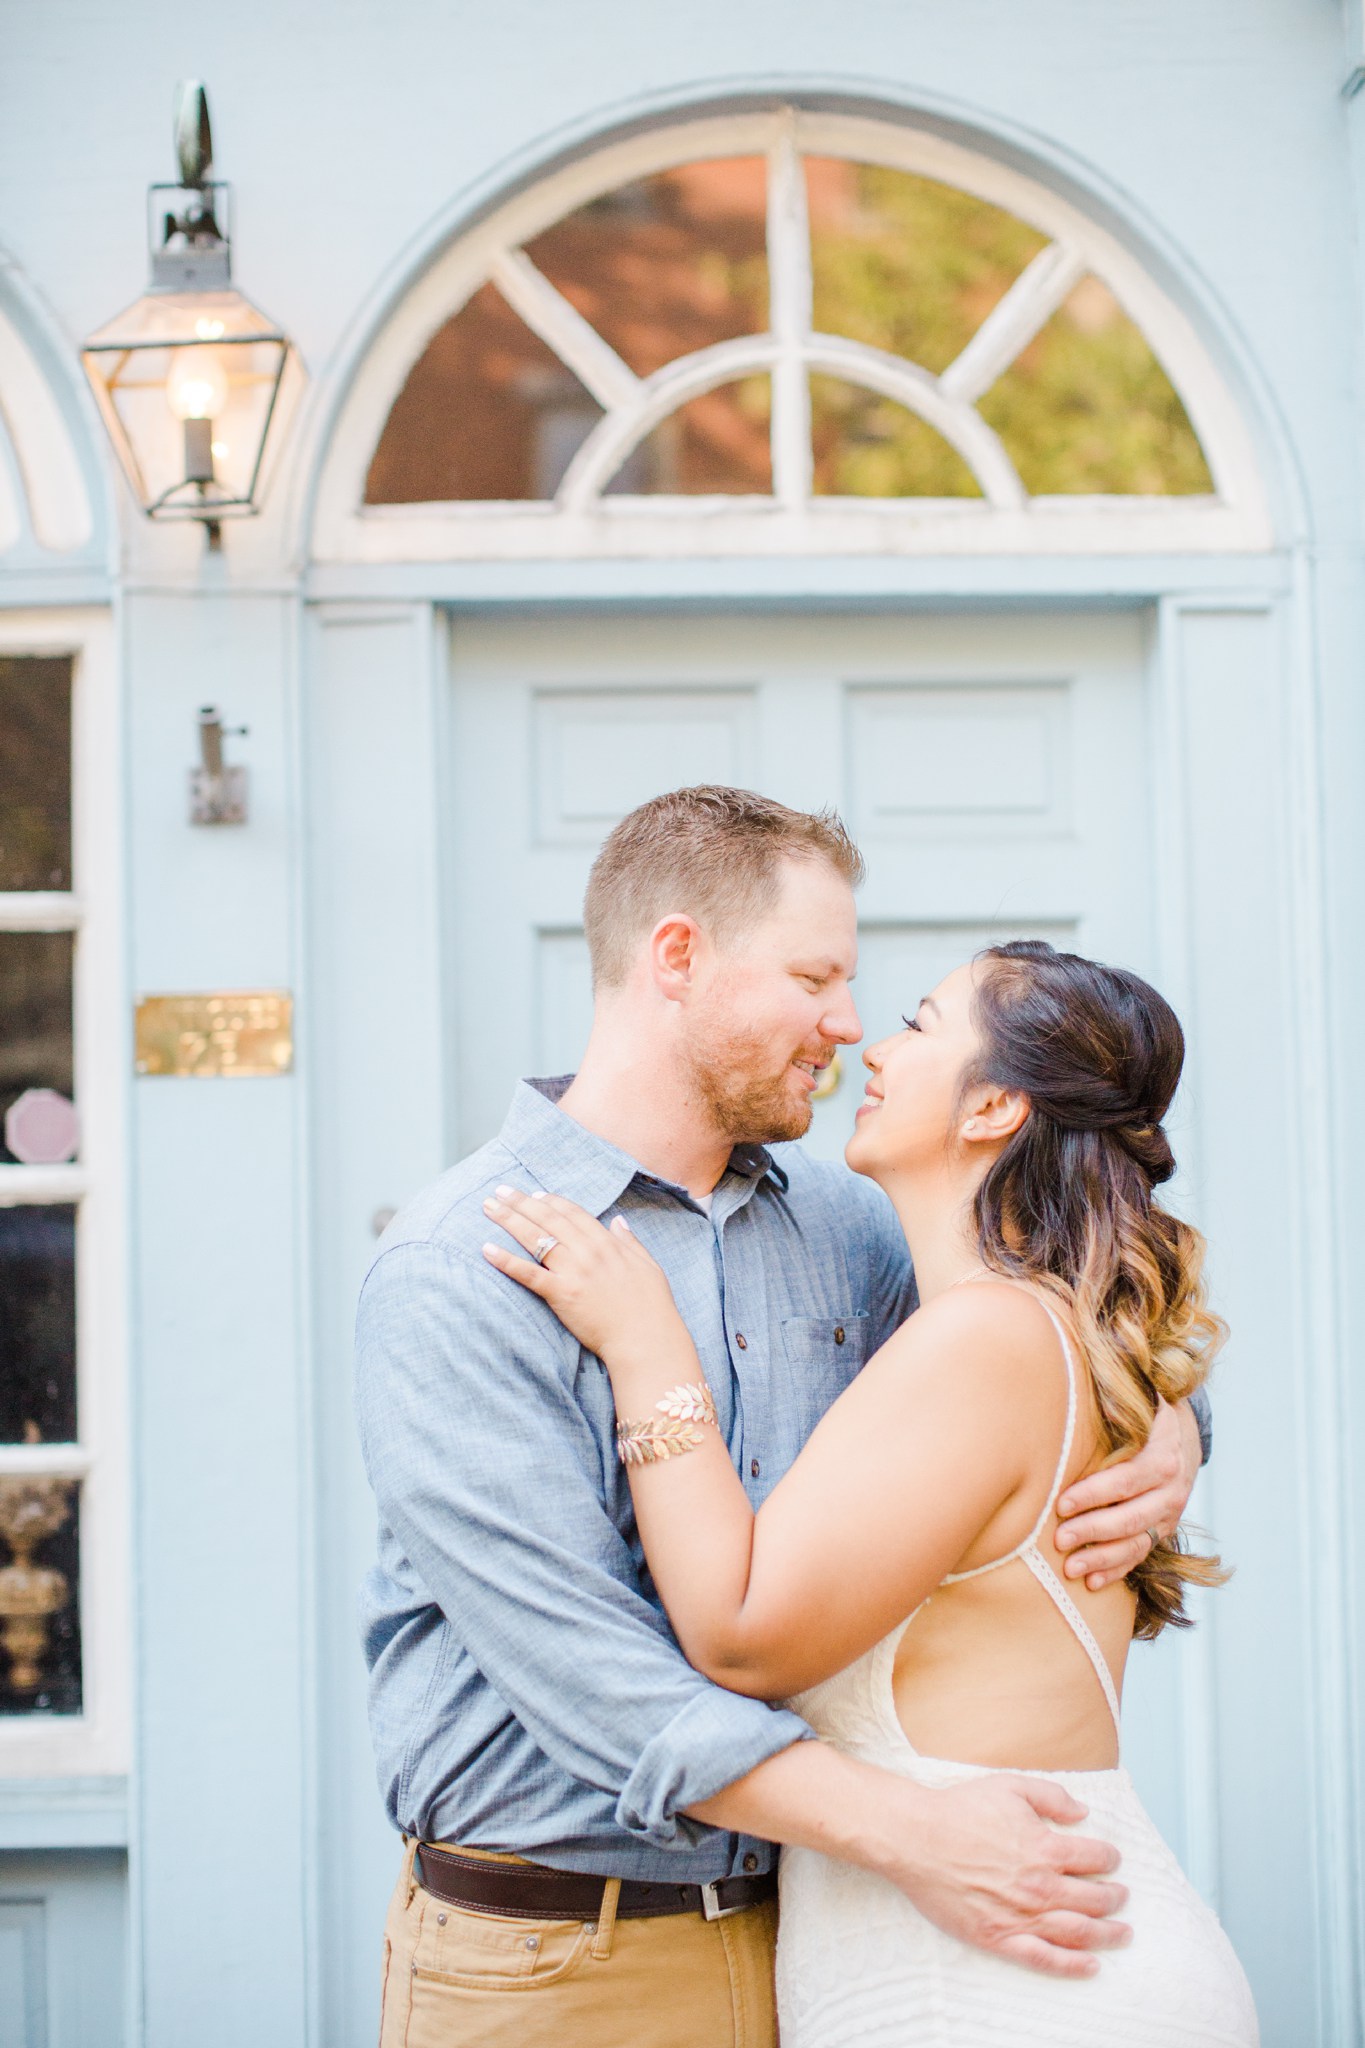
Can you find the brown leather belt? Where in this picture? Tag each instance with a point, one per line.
(530, 1891)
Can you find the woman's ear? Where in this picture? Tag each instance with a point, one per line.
(993, 1115)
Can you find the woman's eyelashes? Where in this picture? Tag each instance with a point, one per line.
(910, 1023)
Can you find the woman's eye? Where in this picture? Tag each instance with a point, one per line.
(910, 1023)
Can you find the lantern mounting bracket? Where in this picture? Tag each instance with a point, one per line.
(191, 244)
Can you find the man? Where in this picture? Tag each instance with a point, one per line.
(589, 1823)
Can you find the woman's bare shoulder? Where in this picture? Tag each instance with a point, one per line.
(996, 1331)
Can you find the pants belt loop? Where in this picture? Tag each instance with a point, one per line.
(410, 1848)
(606, 1921)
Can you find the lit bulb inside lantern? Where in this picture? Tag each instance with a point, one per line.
(197, 386)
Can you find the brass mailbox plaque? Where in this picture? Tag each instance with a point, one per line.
(244, 1034)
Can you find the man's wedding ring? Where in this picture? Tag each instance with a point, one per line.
(543, 1246)
(1153, 1537)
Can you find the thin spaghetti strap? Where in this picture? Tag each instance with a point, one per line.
(1079, 1626)
(1068, 1438)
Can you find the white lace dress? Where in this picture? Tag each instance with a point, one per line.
(859, 1967)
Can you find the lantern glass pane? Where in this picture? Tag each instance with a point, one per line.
(221, 341)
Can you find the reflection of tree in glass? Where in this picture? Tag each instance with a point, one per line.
(914, 267)
(1087, 407)
(866, 446)
(905, 264)
(677, 262)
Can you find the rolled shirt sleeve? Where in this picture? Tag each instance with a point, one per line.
(493, 1480)
(1203, 1415)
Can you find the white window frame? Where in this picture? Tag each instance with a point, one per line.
(581, 523)
(95, 1742)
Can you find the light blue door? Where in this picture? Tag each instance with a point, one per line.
(993, 770)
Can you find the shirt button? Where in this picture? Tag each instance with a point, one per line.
(741, 1340)
(753, 1468)
(839, 1333)
(751, 1863)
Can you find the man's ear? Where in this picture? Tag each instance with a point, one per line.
(675, 945)
(993, 1115)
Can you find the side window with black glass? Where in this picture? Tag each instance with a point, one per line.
(42, 1459)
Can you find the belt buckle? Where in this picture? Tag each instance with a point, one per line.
(711, 1907)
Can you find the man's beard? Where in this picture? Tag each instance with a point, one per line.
(746, 1106)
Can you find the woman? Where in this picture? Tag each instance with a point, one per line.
(900, 1585)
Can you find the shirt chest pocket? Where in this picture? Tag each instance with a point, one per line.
(825, 1353)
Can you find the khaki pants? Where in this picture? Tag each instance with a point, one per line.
(454, 1979)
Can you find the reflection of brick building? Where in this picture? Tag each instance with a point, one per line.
(676, 262)
(672, 263)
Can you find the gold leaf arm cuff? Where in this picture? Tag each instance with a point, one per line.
(683, 1410)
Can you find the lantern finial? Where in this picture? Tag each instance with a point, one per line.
(193, 135)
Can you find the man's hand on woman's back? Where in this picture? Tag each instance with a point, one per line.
(1109, 1518)
(986, 1859)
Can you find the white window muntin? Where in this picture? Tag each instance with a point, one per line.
(95, 1741)
(579, 523)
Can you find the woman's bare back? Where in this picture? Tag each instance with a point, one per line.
(989, 1670)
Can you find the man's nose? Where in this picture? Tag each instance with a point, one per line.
(841, 1021)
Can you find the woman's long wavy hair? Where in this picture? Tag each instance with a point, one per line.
(1069, 1205)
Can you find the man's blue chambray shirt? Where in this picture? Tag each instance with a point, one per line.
(526, 1691)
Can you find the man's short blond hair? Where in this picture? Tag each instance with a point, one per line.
(714, 854)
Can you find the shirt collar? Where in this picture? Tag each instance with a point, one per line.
(570, 1160)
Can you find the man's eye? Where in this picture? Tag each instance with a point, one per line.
(910, 1023)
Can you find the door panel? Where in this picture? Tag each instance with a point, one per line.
(598, 752)
(993, 770)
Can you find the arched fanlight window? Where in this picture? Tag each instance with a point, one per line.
(840, 319)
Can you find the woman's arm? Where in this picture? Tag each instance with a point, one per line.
(909, 1466)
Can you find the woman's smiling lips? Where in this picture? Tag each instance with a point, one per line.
(871, 1100)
